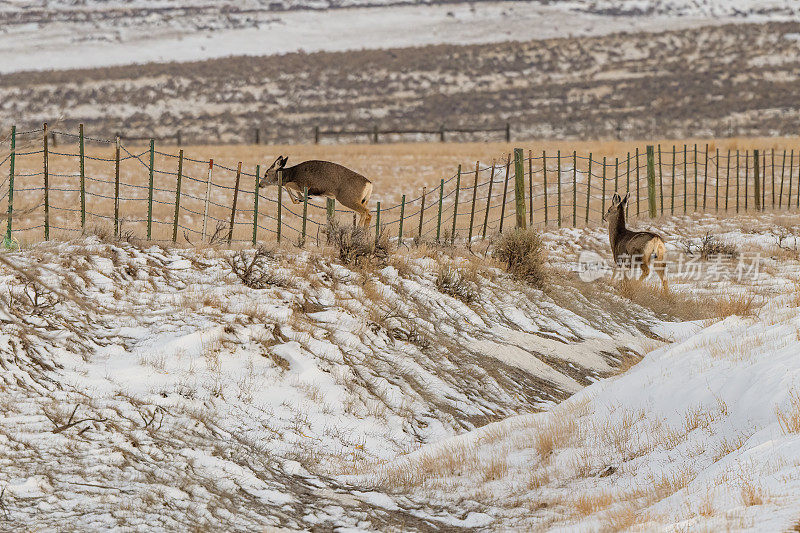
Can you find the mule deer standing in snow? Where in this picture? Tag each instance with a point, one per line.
(323, 178)
(642, 245)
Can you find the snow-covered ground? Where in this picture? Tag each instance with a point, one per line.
(64, 35)
(150, 389)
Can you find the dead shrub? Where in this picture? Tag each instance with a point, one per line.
(254, 270)
(789, 420)
(523, 253)
(452, 281)
(355, 244)
(711, 246)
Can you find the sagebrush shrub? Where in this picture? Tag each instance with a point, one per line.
(523, 253)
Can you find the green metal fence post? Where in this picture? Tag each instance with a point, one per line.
(588, 187)
(377, 222)
(402, 218)
(12, 161)
(82, 155)
(46, 171)
(177, 198)
(116, 187)
(651, 181)
(235, 199)
(757, 179)
(279, 172)
(474, 198)
(150, 193)
(455, 205)
(305, 216)
(255, 205)
(439, 219)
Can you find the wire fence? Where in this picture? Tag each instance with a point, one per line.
(58, 194)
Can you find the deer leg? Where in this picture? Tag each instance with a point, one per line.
(366, 218)
(292, 193)
(645, 268)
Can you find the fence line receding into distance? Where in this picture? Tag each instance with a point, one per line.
(61, 191)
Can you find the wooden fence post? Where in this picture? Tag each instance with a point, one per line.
(178, 138)
(519, 188)
(439, 219)
(757, 179)
(46, 172)
(82, 156)
(441, 133)
(258, 136)
(208, 193)
(455, 205)
(488, 200)
(377, 222)
(305, 217)
(375, 134)
(12, 161)
(588, 187)
(177, 198)
(235, 199)
(255, 205)
(422, 211)
(116, 188)
(402, 218)
(574, 189)
(316, 134)
(150, 191)
(474, 198)
(279, 173)
(505, 193)
(508, 132)
(651, 181)
(330, 208)
(660, 181)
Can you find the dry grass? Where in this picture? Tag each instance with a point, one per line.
(523, 254)
(789, 419)
(683, 305)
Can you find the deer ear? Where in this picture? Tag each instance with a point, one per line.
(625, 200)
(282, 161)
(615, 199)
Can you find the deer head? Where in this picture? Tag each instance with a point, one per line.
(271, 174)
(616, 208)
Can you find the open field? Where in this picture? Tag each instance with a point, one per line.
(716, 81)
(396, 170)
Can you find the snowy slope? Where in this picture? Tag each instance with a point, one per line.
(701, 435)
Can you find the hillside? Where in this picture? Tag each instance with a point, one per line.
(145, 385)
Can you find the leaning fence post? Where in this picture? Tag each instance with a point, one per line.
(377, 222)
(519, 187)
(455, 204)
(235, 198)
(439, 219)
(177, 198)
(757, 179)
(116, 188)
(255, 205)
(150, 192)
(422, 211)
(305, 216)
(12, 160)
(474, 197)
(505, 193)
(82, 155)
(651, 181)
(588, 187)
(279, 173)
(402, 218)
(488, 200)
(46, 172)
(208, 192)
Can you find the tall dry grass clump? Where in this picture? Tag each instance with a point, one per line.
(356, 245)
(523, 253)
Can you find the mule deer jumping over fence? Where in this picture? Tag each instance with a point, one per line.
(323, 178)
(642, 245)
